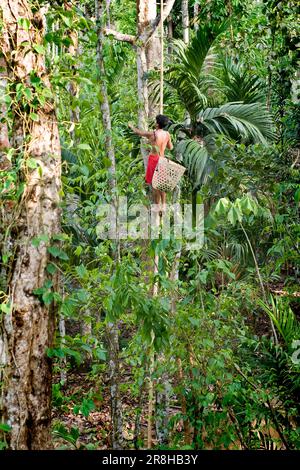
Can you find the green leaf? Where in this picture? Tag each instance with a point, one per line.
(34, 116)
(81, 271)
(51, 268)
(39, 48)
(82, 295)
(234, 215)
(34, 79)
(84, 170)
(84, 147)
(27, 93)
(75, 354)
(24, 23)
(55, 352)
(208, 343)
(31, 163)
(66, 19)
(100, 354)
(195, 321)
(5, 308)
(202, 276)
(78, 250)
(42, 238)
(5, 427)
(57, 253)
(60, 236)
(85, 408)
(222, 206)
(106, 162)
(47, 297)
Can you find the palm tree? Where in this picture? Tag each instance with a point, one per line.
(191, 83)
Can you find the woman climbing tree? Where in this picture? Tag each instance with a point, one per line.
(159, 139)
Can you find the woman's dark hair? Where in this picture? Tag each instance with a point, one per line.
(162, 121)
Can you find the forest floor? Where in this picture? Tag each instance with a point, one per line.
(95, 428)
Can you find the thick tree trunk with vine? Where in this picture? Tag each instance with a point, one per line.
(4, 139)
(4, 165)
(112, 332)
(29, 326)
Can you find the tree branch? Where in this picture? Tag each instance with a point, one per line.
(145, 36)
(119, 36)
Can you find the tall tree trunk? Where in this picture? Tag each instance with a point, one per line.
(196, 13)
(106, 119)
(29, 327)
(73, 87)
(170, 34)
(185, 20)
(145, 57)
(143, 101)
(4, 165)
(147, 12)
(163, 393)
(112, 332)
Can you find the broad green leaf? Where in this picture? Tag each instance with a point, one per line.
(27, 93)
(81, 271)
(222, 206)
(47, 298)
(51, 268)
(5, 308)
(34, 116)
(78, 250)
(42, 238)
(234, 215)
(39, 48)
(31, 163)
(5, 427)
(57, 253)
(24, 23)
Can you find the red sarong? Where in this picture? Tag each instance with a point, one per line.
(152, 163)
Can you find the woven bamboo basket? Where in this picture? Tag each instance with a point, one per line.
(167, 174)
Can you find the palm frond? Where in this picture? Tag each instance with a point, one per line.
(239, 84)
(195, 158)
(191, 75)
(248, 122)
(283, 318)
(192, 57)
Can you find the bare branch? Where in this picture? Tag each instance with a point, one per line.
(145, 36)
(119, 36)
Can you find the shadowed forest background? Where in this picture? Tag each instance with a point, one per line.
(140, 344)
